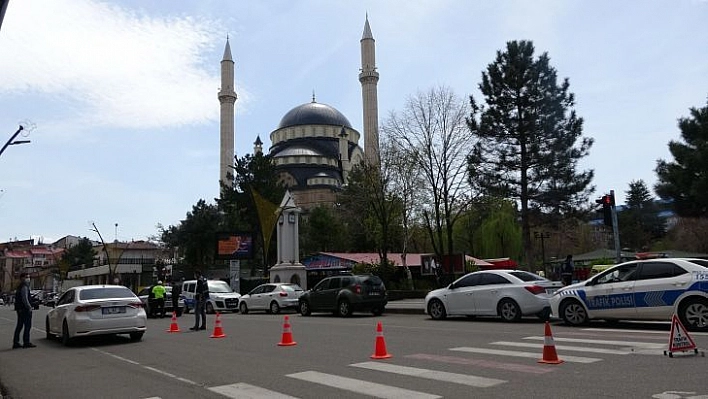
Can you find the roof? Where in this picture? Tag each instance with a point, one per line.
(314, 113)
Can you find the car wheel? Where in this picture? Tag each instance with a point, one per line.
(243, 308)
(136, 336)
(274, 307)
(509, 310)
(344, 309)
(436, 309)
(377, 311)
(694, 314)
(209, 308)
(65, 338)
(304, 308)
(46, 327)
(573, 313)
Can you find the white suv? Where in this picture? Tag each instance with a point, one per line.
(221, 296)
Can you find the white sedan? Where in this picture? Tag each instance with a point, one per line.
(653, 289)
(96, 310)
(271, 297)
(509, 294)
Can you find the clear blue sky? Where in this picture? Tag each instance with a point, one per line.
(124, 94)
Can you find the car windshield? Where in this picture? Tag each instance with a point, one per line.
(219, 286)
(291, 287)
(105, 293)
(526, 276)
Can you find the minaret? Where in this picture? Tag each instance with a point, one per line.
(227, 99)
(257, 146)
(369, 78)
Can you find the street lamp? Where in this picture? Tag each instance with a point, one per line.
(12, 140)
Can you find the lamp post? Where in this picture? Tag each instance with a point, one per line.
(12, 139)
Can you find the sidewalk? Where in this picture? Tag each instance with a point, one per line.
(406, 306)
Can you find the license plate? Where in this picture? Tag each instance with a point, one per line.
(114, 310)
(375, 293)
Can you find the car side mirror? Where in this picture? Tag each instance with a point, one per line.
(452, 286)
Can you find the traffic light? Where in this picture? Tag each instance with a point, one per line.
(607, 201)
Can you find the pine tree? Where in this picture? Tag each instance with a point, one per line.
(527, 138)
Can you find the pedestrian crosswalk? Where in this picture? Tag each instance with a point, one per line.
(494, 357)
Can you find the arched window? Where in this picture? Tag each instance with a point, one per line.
(295, 279)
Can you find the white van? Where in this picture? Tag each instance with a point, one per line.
(221, 296)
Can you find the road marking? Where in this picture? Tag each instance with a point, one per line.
(463, 379)
(605, 342)
(523, 368)
(574, 359)
(246, 391)
(190, 382)
(565, 347)
(360, 386)
(640, 331)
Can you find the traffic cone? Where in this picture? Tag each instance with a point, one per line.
(287, 339)
(380, 346)
(549, 348)
(218, 332)
(174, 327)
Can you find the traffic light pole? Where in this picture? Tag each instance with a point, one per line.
(615, 231)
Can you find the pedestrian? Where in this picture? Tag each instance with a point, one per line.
(567, 270)
(159, 292)
(176, 292)
(24, 313)
(200, 296)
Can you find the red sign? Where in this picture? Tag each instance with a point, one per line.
(679, 340)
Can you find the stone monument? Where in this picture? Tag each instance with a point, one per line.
(288, 269)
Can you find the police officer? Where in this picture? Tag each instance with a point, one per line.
(567, 270)
(200, 296)
(159, 292)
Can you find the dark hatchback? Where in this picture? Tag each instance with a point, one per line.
(343, 295)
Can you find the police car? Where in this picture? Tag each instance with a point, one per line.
(653, 289)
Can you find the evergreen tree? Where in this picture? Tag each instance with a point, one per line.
(78, 256)
(527, 138)
(640, 224)
(685, 181)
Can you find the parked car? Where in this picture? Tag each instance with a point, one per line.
(148, 300)
(50, 299)
(221, 296)
(509, 294)
(89, 310)
(343, 295)
(271, 297)
(35, 298)
(653, 289)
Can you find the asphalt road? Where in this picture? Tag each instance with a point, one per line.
(457, 358)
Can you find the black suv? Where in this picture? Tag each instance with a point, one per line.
(343, 295)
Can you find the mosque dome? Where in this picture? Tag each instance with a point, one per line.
(314, 113)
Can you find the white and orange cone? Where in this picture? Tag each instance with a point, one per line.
(218, 331)
(287, 338)
(173, 326)
(380, 345)
(549, 348)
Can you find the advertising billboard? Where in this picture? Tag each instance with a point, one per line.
(234, 246)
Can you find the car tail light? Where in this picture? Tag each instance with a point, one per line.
(86, 308)
(357, 289)
(535, 289)
(283, 294)
(136, 305)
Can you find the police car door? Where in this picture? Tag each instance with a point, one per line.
(611, 295)
(657, 287)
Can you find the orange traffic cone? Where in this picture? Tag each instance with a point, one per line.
(549, 348)
(287, 339)
(218, 332)
(174, 327)
(380, 347)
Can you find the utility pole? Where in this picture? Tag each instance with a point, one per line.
(12, 142)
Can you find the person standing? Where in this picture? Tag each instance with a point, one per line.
(159, 292)
(24, 313)
(567, 270)
(176, 292)
(200, 296)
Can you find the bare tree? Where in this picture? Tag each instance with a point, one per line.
(432, 129)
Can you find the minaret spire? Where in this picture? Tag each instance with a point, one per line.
(227, 99)
(369, 79)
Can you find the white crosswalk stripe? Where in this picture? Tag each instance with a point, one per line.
(487, 351)
(456, 378)
(650, 345)
(360, 386)
(565, 347)
(247, 391)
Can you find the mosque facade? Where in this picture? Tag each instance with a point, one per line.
(314, 147)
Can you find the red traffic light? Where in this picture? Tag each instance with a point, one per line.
(607, 200)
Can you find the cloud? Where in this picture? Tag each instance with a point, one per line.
(141, 71)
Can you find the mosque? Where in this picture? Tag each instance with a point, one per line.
(314, 147)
